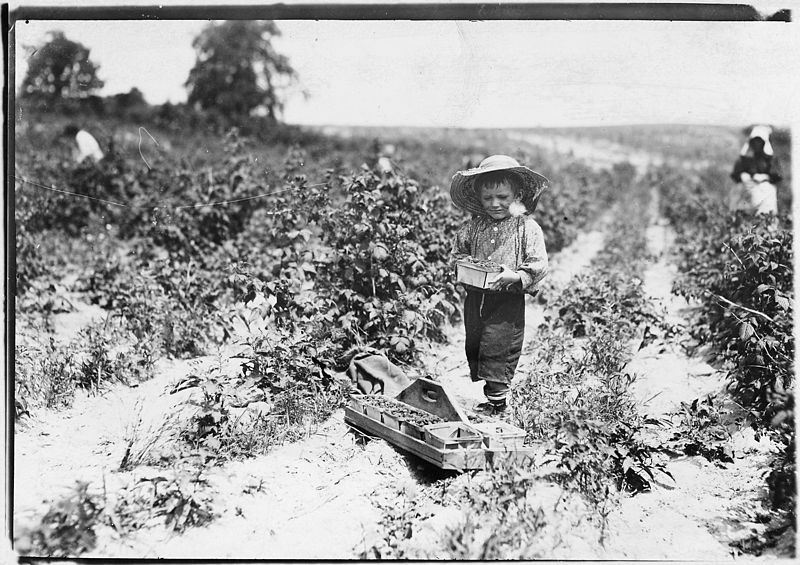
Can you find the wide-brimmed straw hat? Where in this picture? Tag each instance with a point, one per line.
(462, 187)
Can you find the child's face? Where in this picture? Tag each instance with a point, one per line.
(496, 199)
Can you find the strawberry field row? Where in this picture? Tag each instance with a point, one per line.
(739, 268)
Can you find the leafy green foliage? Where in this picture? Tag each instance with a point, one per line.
(390, 275)
(100, 364)
(284, 389)
(782, 476)
(169, 305)
(68, 527)
(30, 262)
(397, 524)
(742, 271)
(701, 431)
(181, 498)
(576, 197)
(593, 303)
(45, 375)
(512, 518)
(499, 516)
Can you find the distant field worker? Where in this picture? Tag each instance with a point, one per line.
(758, 170)
(501, 194)
(85, 145)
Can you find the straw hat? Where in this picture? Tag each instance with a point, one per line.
(462, 187)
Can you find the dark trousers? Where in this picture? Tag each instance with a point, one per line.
(495, 327)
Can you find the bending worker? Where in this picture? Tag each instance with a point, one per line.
(85, 144)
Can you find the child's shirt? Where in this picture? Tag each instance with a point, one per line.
(516, 242)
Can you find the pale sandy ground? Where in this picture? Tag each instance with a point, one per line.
(308, 500)
(316, 499)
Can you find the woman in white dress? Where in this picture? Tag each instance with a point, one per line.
(758, 171)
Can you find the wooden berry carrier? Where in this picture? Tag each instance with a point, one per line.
(453, 443)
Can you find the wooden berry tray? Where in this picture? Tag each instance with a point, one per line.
(449, 441)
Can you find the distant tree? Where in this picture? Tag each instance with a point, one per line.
(59, 71)
(131, 99)
(238, 70)
(129, 104)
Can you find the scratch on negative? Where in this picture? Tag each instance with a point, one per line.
(142, 128)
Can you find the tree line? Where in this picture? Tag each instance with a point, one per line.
(237, 73)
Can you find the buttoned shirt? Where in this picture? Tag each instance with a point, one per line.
(516, 242)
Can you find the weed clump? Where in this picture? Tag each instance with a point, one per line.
(181, 499)
(68, 527)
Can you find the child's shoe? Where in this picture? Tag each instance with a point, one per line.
(492, 408)
(484, 407)
(499, 407)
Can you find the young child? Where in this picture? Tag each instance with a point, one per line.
(501, 194)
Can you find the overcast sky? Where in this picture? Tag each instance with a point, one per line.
(480, 74)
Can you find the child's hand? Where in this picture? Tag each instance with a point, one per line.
(505, 279)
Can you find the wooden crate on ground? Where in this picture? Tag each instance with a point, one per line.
(425, 420)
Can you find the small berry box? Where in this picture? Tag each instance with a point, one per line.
(452, 435)
(499, 435)
(474, 274)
